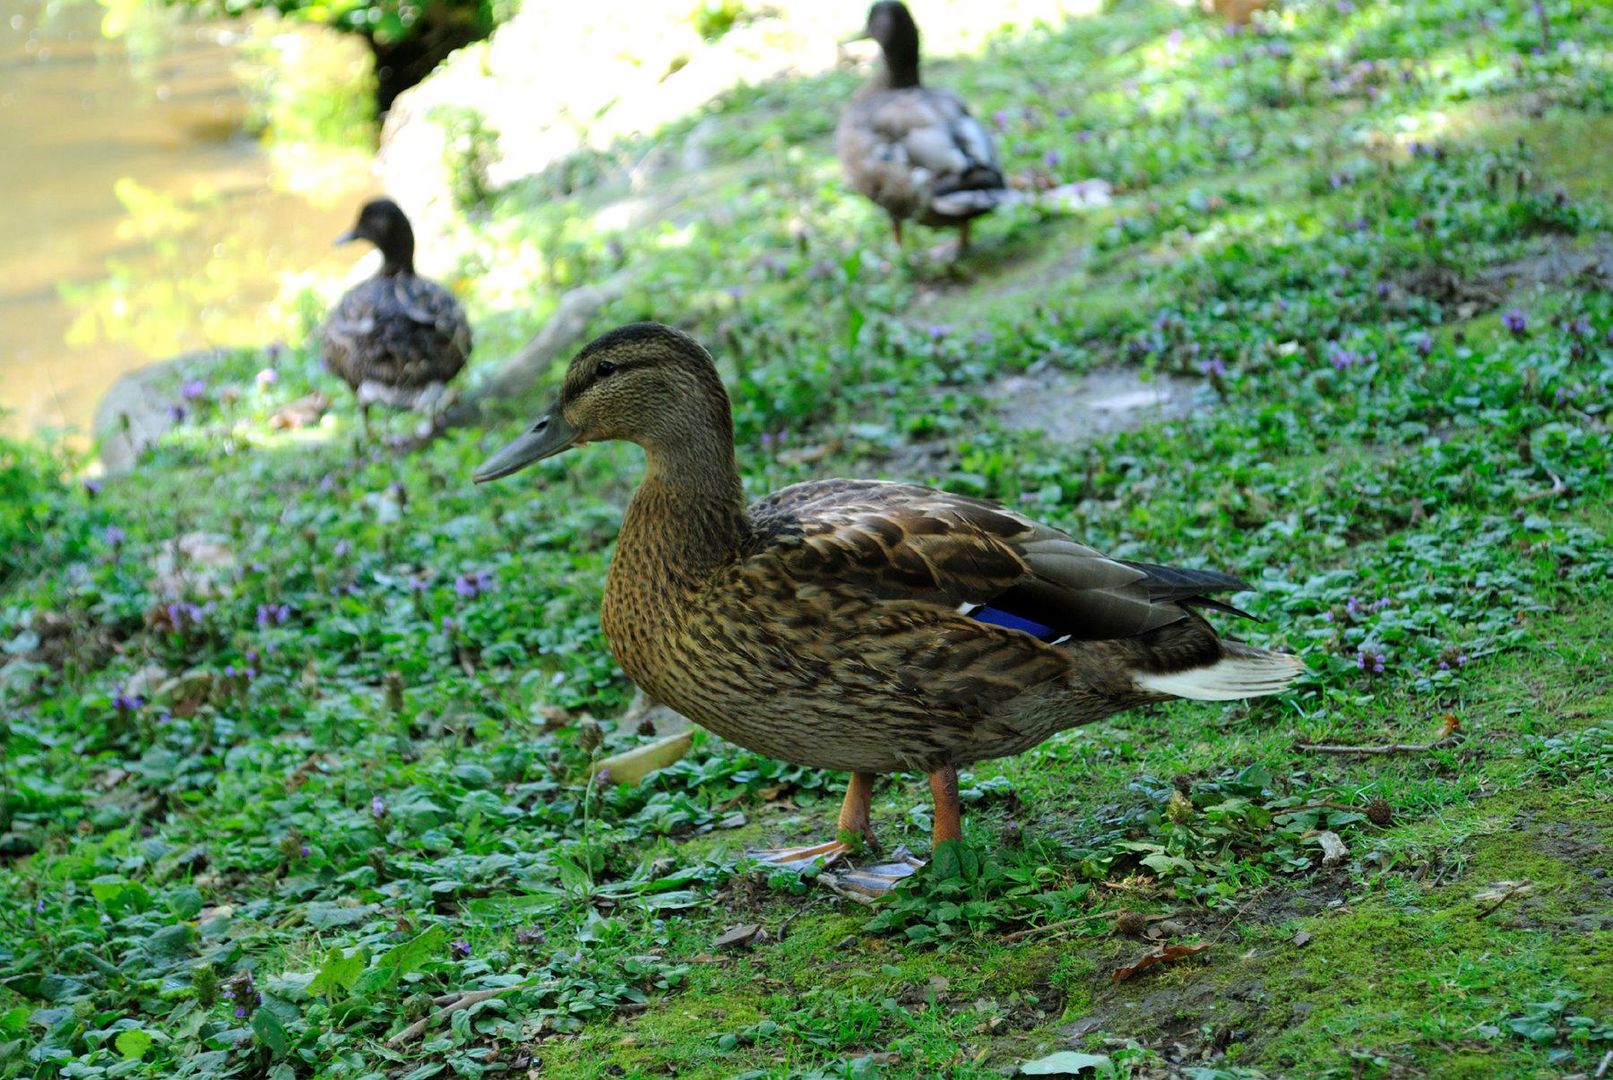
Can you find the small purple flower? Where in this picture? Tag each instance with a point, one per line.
(1063, 112)
(1580, 327)
(938, 331)
(266, 377)
(469, 586)
(92, 487)
(1515, 321)
(418, 584)
(1000, 119)
(176, 414)
(1352, 607)
(767, 441)
(377, 806)
(229, 671)
(327, 482)
(1214, 367)
(1369, 662)
(448, 626)
(113, 535)
(342, 548)
(1422, 342)
(1383, 290)
(1174, 38)
(461, 948)
(125, 702)
(240, 1012)
(193, 390)
(1052, 158)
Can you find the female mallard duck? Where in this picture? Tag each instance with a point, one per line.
(912, 149)
(396, 337)
(863, 625)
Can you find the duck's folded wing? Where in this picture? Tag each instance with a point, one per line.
(896, 542)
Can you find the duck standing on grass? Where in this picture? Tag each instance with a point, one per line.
(395, 337)
(863, 625)
(912, 149)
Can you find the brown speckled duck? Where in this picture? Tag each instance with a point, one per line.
(863, 625)
(913, 149)
(396, 337)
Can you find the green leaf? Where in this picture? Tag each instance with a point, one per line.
(400, 960)
(1068, 1063)
(271, 1032)
(338, 972)
(133, 1044)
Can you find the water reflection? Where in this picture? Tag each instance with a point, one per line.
(138, 219)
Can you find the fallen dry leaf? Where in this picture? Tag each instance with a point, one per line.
(1333, 849)
(1163, 955)
(738, 937)
(1302, 938)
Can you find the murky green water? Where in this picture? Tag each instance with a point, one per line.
(136, 218)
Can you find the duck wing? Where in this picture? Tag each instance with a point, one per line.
(904, 542)
(400, 331)
(917, 148)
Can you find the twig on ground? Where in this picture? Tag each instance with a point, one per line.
(1513, 889)
(451, 1003)
(1384, 748)
(1050, 927)
(1607, 1062)
(1557, 488)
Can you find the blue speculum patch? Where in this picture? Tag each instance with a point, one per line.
(998, 617)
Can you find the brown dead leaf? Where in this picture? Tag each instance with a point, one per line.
(742, 936)
(304, 412)
(1302, 938)
(1165, 954)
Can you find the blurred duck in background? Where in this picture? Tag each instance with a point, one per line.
(913, 149)
(396, 338)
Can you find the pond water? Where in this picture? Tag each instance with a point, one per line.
(137, 219)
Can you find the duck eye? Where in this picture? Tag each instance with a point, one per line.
(605, 367)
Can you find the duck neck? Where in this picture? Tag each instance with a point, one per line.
(688, 515)
(398, 257)
(901, 65)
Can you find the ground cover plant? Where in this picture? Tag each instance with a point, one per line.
(297, 729)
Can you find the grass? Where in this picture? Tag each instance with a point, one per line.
(265, 794)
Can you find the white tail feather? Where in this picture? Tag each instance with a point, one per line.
(1237, 675)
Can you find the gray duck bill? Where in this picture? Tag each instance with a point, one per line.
(548, 437)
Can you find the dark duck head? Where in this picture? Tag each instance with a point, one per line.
(892, 26)
(383, 223)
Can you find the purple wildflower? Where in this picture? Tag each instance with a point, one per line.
(176, 414)
(113, 535)
(1000, 119)
(342, 548)
(1214, 367)
(469, 586)
(767, 441)
(266, 377)
(447, 625)
(193, 390)
(303, 850)
(92, 487)
(1580, 327)
(1383, 290)
(1423, 342)
(1174, 38)
(1369, 662)
(240, 1012)
(461, 948)
(377, 806)
(1063, 112)
(1052, 158)
(939, 331)
(125, 702)
(1515, 321)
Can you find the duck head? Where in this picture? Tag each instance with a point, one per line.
(892, 26)
(383, 223)
(644, 383)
